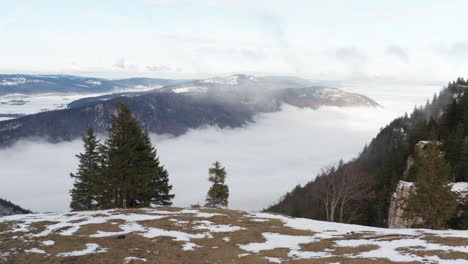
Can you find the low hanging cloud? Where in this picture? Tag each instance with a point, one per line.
(162, 68)
(252, 54)
(350, 55)
(457, 50)
(398, 52)
(263, 160)
(122, 64)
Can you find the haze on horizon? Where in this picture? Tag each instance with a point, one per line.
(409, 41)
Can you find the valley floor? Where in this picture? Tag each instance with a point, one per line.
(177, 235)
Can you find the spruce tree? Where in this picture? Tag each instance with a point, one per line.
(153, 183)
(432, 202)
(134, 177)
(218, 193)
(84, 192)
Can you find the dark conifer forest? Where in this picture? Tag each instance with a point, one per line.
(381, 165)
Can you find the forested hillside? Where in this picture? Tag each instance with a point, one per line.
(9, 208)
(360, 190)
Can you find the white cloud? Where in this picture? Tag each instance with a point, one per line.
(457, 50)
(350, 55)
(398, 52)
(120, 63)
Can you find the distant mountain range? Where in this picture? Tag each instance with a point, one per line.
(35, 84)
(173, 109)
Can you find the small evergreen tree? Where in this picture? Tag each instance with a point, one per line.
(219, 192)
(84, 193)
(432, 202)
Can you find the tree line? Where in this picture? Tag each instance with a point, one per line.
(125, 172)
(382, 164)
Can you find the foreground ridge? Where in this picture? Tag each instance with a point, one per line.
(178, 235)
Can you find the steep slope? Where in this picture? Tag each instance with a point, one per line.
(9, 208)
(225, 102)
(176, 235)
(385, 161)
(163, 113)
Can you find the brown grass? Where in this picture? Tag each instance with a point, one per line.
(211, 250)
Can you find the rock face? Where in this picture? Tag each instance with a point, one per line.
(402, 193)
(404, 189)
(400, 200)
(397, 206)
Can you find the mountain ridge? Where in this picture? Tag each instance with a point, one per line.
(224, 102)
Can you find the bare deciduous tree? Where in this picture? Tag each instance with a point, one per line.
(341, 187)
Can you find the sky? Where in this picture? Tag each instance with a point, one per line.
(397, 40)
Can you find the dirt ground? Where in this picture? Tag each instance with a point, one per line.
(17, 247)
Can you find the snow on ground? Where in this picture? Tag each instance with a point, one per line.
(385, 249)
(91, 248)
(198, 89)
(48, 243)
(130, 259)
(246, 235)
(35, 250)
(333, 229)
(274, 240)
(25, 104)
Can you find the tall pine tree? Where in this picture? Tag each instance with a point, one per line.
(134, 176)
(218, 193)
(433, 201)
(125, 172)
(84, 192)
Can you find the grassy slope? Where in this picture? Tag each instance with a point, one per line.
(176, 235)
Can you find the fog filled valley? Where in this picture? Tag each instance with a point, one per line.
(233, 131)
(264, 159)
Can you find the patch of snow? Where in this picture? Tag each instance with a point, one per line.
(226, 239)
(387, 249)
(91, 248)
(126, 228)
(259, 220)
(93, 82)
(189, 246)
(210, 226)
(274, 260)
(153, 232)
(198, 89)
(274, 240)
(48, 243)
(13, 81)
(332, 229)
(35, 251)
(71, 222)
(460, 187)
(129, 259)
(308, 254)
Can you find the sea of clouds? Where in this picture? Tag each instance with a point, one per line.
(263, 160)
